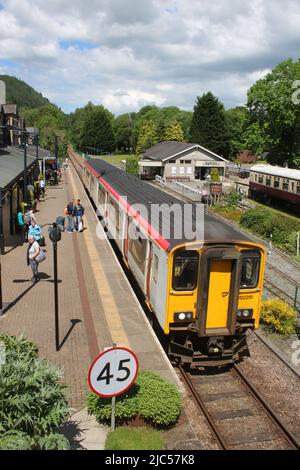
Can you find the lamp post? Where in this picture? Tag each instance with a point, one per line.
(55, 236)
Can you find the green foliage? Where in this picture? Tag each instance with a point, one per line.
(151, 397)
(279, 316)
(215, 175)
(209, 127)
(233, 198)
(275, 114)
(15, 440)
(91, 126)
(159, 401)
(32, 399)
(126, 406)
(132, 165)
(237, 121)
(265, 222)
(174, 132)
(54, 441)
(126, 438)
(147, 137)
(21, 94)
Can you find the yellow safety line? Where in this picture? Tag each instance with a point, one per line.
(110, 308)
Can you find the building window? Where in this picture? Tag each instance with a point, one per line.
(261, 179)
(174, 170)
(137, 247)
(276, 183)
(185, 270)
(181, 170)
(268, 181)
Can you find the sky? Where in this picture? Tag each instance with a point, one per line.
(126, 54)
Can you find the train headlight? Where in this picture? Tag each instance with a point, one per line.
(245, 313)
(183, 316)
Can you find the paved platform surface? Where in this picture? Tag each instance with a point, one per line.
(97, 306)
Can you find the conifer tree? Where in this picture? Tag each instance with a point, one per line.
(147, 137)
(174, 132)
(97, 130)
(209, 126)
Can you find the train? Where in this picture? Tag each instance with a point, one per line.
(205, 292)
(275, 183)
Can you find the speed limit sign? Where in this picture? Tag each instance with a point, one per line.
(113, 372)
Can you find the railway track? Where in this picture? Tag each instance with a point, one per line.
(237, 414)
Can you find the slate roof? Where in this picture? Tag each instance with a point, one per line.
(168, 149)
(140, 192)
(11, 166)
(31, 150)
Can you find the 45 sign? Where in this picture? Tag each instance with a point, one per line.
(113, 372)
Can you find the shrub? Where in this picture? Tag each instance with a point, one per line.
(132, 166)
(32, 397)
(214, 175)
(151, 397)
(233, 198)
(125, 438)
(279, 316)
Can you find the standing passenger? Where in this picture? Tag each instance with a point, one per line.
(32, 251)
(78, 213)
(69, 212)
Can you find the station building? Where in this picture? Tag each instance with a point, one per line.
(11, 188)
(180, 161)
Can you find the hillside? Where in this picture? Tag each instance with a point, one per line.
(18, 92)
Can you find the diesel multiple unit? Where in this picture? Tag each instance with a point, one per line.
(205, 293)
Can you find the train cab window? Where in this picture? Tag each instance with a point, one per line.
(250, 269)
(185, 270)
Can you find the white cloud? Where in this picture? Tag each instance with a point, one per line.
(125, 54)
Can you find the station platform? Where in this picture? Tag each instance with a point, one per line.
(97, 306)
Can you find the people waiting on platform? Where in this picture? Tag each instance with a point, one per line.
(35, 231)
(32, 252)
(78, 216)
(22, 227)
(69, 212)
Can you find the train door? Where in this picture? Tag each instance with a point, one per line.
(218, 296)
(149, 257)
(126, 223)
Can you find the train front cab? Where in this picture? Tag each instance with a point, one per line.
(214, 297)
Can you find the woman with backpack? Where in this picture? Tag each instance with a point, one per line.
(35, 255)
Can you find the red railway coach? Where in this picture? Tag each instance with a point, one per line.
(205, 291)
(274, 182)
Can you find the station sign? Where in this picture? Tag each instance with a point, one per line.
(113, 372)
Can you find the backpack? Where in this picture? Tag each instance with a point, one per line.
(26, 219)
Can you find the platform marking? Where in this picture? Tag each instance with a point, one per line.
(110, 308)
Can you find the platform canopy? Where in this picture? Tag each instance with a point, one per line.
(12, 166)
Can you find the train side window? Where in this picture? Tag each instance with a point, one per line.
(293, 186)
(250, 269)
(268, 181)
(255, 177)
(298, 188)
(115, 213)
(285, 186)
(260, 179)
(155, 268)
(101, 196)
(137, 248)
(185, 270)
(276, 183)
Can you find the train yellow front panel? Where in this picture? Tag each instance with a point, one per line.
(218, 293)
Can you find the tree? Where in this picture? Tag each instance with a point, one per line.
(97, 129)
(237, 121)
(123, 129)
(209, 126)
(147, 137)
(174, 132)
(276, 114)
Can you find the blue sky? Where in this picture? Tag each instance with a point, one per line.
(125, 54)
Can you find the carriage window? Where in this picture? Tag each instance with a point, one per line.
(250, 269)
(185, 270)
(268, 181)
(137, 247)
(298, 188)
(260, 179)
(276, 183)
(285, 186)
(155, 268)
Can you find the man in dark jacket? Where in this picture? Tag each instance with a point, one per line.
(78, 214)
(69, 212)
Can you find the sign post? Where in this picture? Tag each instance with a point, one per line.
(112, 373)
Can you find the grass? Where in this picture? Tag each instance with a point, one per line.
(116, 159)
(127, 438)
